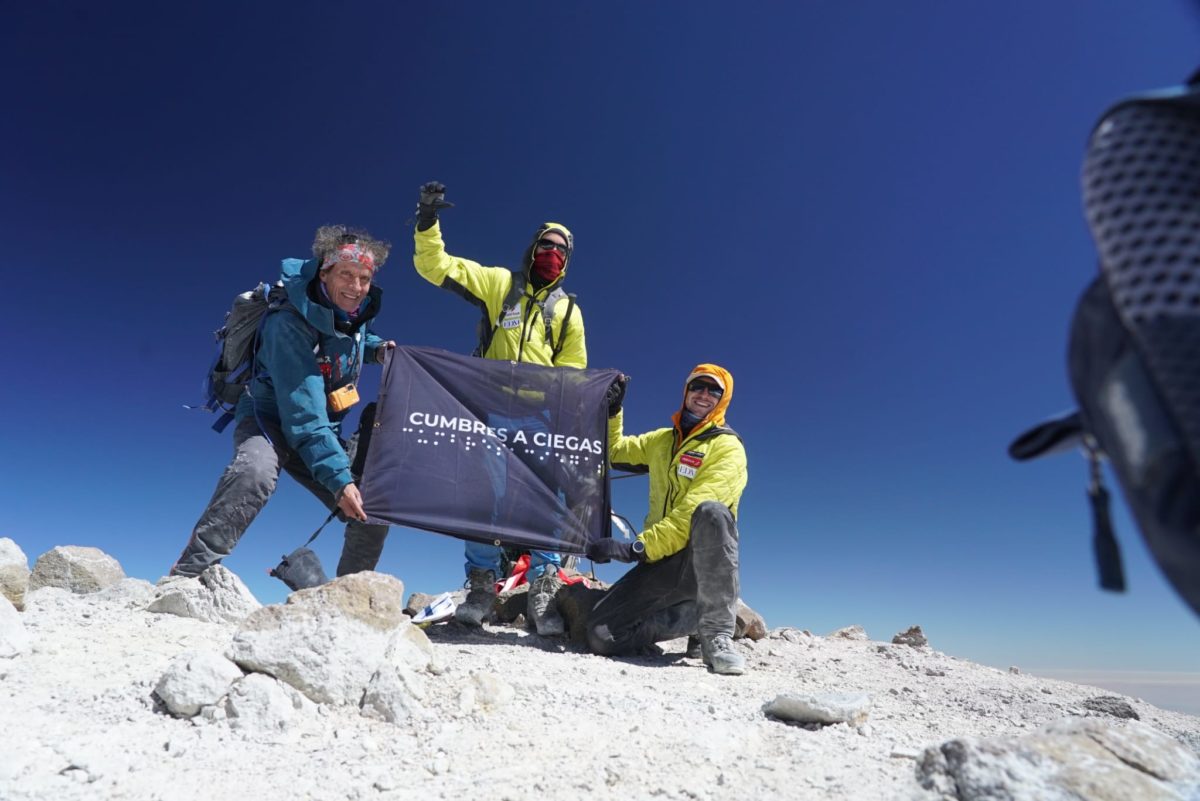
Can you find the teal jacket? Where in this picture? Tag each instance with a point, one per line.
(306, 353)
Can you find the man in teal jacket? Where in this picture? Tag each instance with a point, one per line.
(307, 365)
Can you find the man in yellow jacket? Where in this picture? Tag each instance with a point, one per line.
(686, 578)
(527, 317)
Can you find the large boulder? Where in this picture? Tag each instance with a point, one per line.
(14, 639)
(79, 569)
(14, 572)
(194, 680)
(1077, 759)
(216, 595)
(329, 641)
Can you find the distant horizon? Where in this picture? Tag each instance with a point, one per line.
(1174, 690)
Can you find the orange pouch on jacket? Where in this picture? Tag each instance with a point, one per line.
(342, 399)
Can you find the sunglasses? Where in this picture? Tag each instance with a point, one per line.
(546, 244)
(705, 386)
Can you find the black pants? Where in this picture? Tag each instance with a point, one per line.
(694, 591)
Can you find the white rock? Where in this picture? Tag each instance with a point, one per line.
(410, 645)
(194, 680)
(14, 572)
(790, 634)
(1070, 760)
(855, 632)
(393, 695)
(261, 706)
(491, 691)
(327, 641)
(77, 568)
(851, 708)
(216, 595)
(128, 593)
(14, 638)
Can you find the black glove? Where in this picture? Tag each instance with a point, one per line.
(607, 549)
(433, 199)
(616, 394)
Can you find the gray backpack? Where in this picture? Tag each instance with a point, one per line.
(237, 339)
(487, 326)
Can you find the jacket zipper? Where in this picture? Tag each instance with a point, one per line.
(529, 305)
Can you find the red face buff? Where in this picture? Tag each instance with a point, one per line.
(548, 265)
(349, 253)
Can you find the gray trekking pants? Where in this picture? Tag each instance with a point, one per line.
(694, 591)
(243, 490)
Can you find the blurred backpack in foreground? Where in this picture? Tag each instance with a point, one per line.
(1134, 354)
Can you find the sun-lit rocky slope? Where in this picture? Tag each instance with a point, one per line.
(114, 688)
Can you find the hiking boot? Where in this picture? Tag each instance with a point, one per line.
(480, 600)
(719, 654)
(693, 648)
(541, 608)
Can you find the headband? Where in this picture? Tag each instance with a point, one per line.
(349, 253)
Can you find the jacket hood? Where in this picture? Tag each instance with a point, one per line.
(546, 227)
(724, 379)
(297, 275)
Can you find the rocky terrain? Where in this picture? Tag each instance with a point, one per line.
(114, 688)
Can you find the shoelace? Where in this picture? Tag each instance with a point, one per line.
(721, 645)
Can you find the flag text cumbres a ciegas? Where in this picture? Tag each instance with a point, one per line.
(541, 439)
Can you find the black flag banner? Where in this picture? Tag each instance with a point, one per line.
(492, 451)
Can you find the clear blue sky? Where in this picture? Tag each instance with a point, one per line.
(868, 212)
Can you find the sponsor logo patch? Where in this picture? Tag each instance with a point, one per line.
(692, 458)
(512, 319)
(686, 471)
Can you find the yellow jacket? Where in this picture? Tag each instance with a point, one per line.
(521, 337)
(684, 472)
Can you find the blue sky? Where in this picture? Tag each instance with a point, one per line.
(868, 212)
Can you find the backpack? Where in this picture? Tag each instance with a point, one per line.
(232, 367)
(487, 328)
(1134, 352)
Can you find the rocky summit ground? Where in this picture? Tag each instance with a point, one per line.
(500, 713)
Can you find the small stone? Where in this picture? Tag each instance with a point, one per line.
(855, 632)
(824, 709)
(1111, 705)
(748, 624)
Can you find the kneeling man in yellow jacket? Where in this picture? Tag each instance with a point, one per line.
(686, 578)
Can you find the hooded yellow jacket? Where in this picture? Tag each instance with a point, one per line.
(521, 337)
(684, 471)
